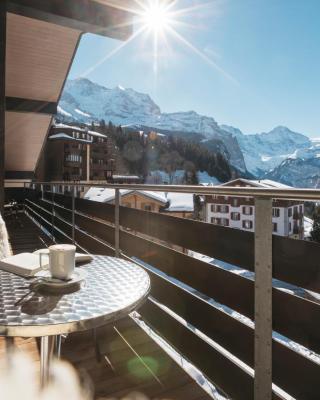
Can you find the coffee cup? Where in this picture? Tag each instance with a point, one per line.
(62, 261)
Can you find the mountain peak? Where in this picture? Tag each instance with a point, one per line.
(85, 101)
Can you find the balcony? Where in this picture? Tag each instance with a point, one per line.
(205, 311)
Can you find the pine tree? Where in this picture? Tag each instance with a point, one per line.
(315, 233)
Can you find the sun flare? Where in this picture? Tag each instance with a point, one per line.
(160, 20)
(156, 16)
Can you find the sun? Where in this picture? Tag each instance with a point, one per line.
(156, 16)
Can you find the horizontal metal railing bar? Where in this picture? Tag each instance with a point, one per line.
(290, 194)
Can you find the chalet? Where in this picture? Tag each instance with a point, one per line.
(238, 212)
(74, 153)
(175, 204)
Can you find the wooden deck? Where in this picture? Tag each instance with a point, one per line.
(24, 235)
(128, 360)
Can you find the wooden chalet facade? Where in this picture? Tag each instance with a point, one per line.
(73, 153)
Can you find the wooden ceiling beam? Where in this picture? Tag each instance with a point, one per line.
(83, 15)
(3, 30)
(19, 175)
(16, 104)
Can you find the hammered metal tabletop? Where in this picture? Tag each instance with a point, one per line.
(113, 288)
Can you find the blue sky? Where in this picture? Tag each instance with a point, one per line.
(269, 50)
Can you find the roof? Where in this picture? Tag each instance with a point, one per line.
(78, 129)
(263, 183)
(126, 177)
(178, 202)
(64, 136)
(108, 195)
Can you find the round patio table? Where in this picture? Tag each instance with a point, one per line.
(112, 289)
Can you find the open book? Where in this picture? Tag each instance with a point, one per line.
(24, 264)
(28, 264)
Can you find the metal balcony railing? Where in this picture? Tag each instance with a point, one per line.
(253, 364)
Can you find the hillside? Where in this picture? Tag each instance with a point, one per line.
(257, 154)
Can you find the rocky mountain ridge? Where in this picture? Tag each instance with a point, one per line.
(84, 101)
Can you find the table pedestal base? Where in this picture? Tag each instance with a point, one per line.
(50, 345)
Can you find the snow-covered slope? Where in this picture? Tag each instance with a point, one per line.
(301, 168)
(265, 151)
(85, 101)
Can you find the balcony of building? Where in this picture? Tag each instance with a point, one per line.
(240, 307)
(234, 315)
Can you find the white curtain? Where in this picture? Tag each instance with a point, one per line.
(5, 250)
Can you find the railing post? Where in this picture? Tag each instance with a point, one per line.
(263, 299)
(41, 188)
(24, 197)
(52, 210)
(117, 223)
(73, 212)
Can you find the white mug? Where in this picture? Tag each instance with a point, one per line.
(62, 261)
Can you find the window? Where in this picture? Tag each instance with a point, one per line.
(247, 210)
(300, 209)
(215, 221)
(247, 224)
(235, 216)
(147, 207)
(274, 227)
(290, 227)
(224, 209)
(218, 208)
(235, 202)
(276, 212)
(289, 212)
(226, 197)
(224, 221)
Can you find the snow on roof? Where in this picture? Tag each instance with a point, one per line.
(264, 183)
(94, 133)
(107, 195)
(103, 195)
(125, 177)
(180, 202)
(273, 184)
(77, 128)
(62, 135)
(61, 125)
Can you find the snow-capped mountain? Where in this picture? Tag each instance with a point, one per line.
(301, 168)
(265, 151)
(84, 101)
